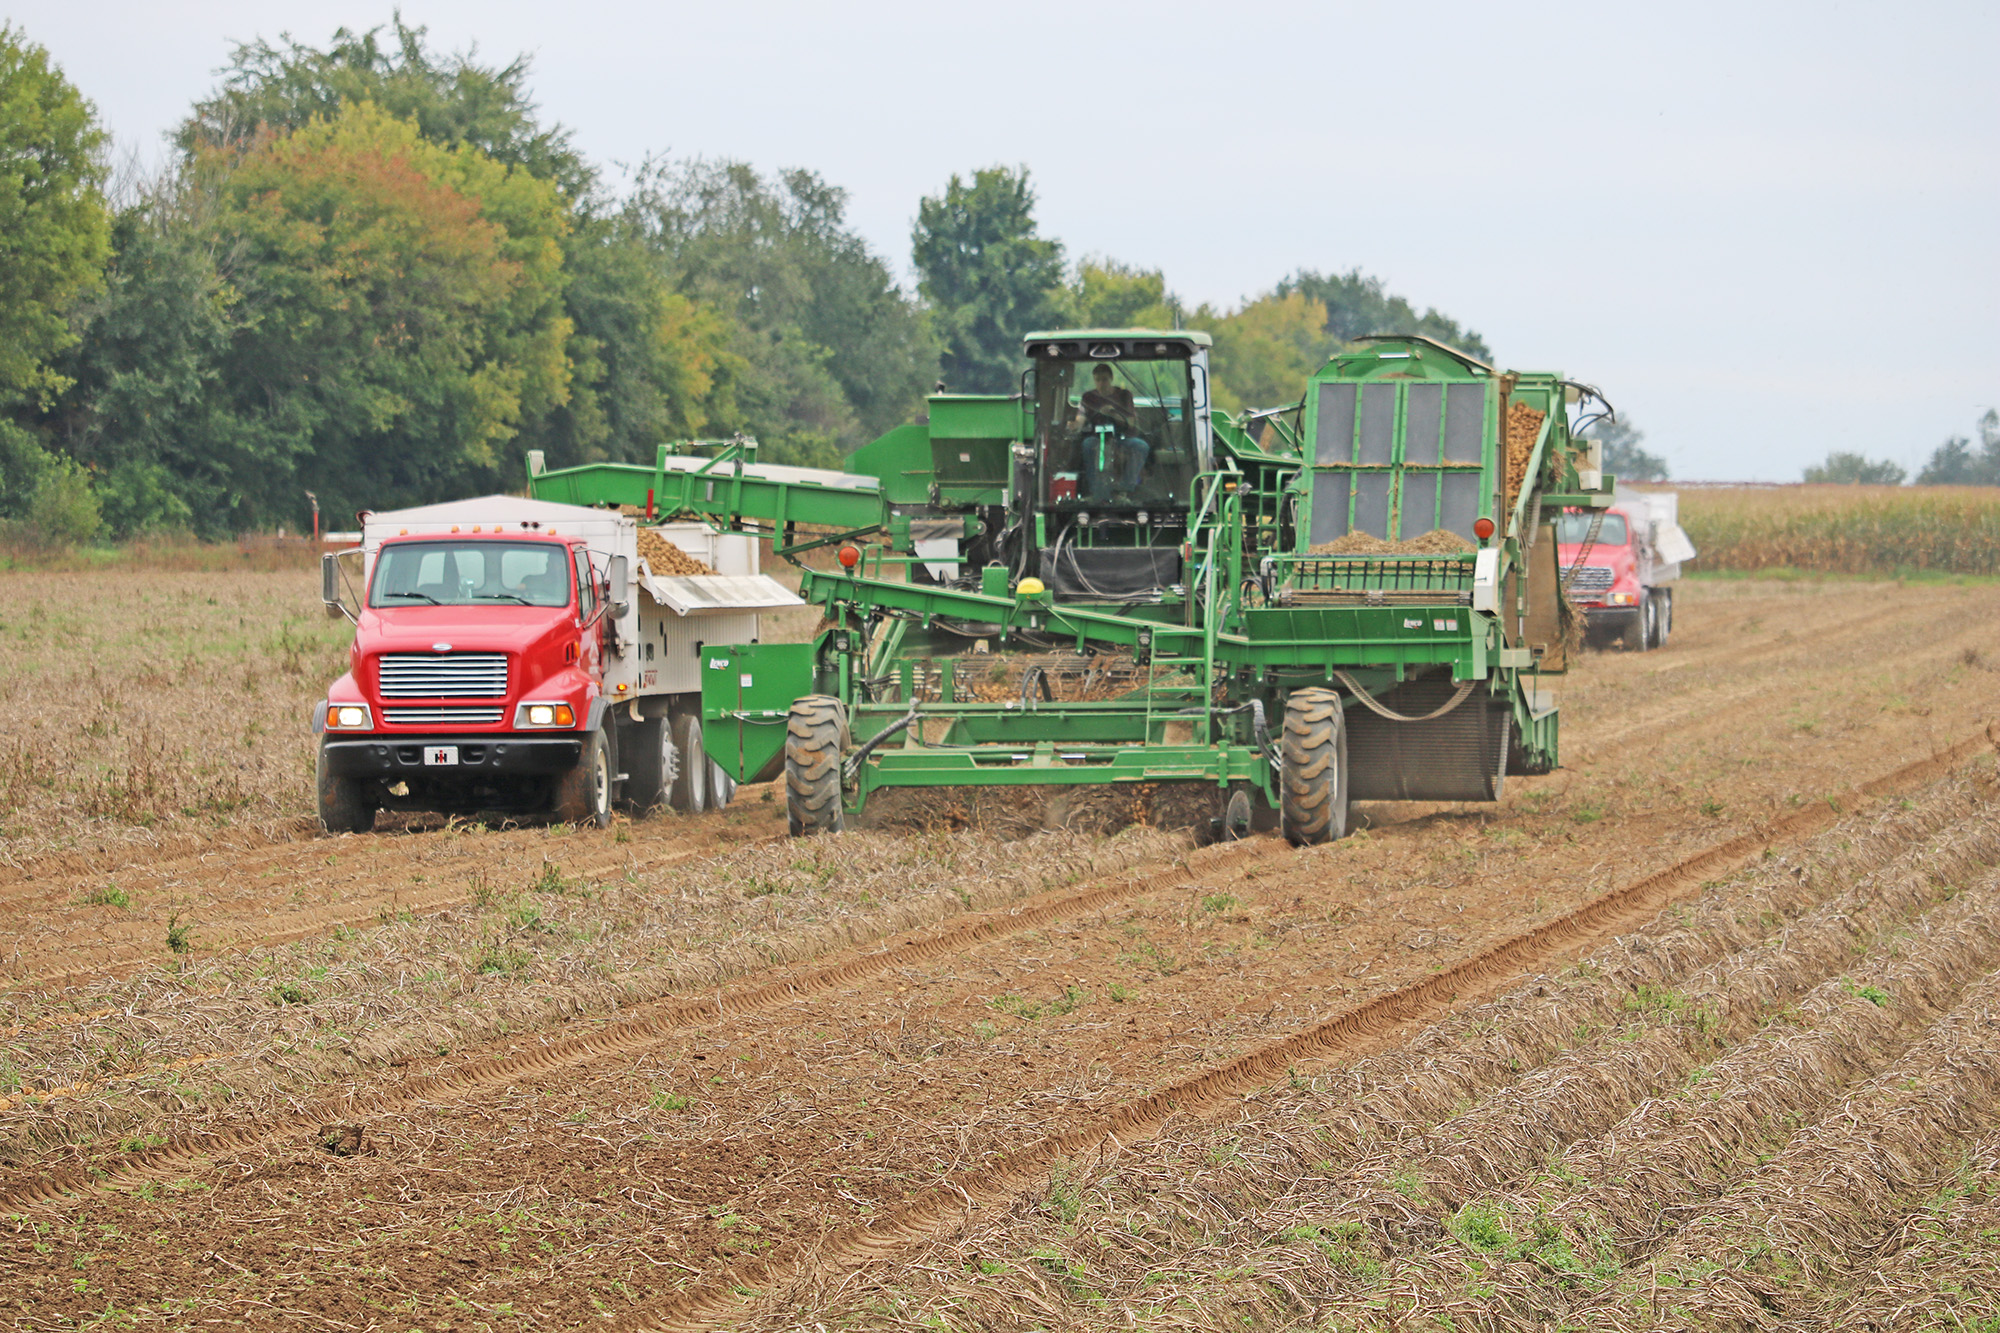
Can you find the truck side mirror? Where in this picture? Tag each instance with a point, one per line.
(329, 584)
(619, 577)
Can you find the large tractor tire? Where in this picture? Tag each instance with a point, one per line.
(583, 795)
(647, 748)
(1313, 768)
(815, 739)
(344, 806)
(690, 788)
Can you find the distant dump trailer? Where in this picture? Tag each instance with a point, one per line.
(1103, 580)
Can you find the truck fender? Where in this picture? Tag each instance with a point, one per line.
(595, 718)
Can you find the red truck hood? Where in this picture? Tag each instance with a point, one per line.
(1618, 559)
(533, 637)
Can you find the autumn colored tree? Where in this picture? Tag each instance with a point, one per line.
(401, 307)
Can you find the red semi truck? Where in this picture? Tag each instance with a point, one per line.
(515, 656)
(1620, 568)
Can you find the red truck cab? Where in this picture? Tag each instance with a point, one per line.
(1618, 568)
(475, 681)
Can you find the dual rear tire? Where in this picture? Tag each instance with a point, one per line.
(668, 766)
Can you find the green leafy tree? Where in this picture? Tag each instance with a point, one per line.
(645, 360)
(402, 314)
(54, 241)
(1853, 469)
(1265, 352)
(825, 351)
(989, 276)
(275, 88)
(1357, 305)
(145, 408)
(1624, 455)
(1109, 295)
(1957, 462)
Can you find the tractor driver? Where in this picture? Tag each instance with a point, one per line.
(1112, 454)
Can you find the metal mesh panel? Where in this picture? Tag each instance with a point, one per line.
(1420, 493)
(1330, 496)
(1461, 502)
(1334, 441)
(1378, 422)
(1465, 412)
(1371, 502)
(1423, 410)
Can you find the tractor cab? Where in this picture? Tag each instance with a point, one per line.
(1121, 431)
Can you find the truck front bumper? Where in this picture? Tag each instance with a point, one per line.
(1610, 622)
(483, 755)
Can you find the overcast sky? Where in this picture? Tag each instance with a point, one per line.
(1766, 230)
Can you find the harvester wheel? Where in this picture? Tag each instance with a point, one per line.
(343, 804)
(1313, 768)
(815, 736)
(690, 791)
(583, 795)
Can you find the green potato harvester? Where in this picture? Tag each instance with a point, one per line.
(1102, 579)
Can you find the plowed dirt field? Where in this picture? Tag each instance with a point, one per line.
(1702, 1031)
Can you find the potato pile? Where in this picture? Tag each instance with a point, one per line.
(1517, 438)
(664, 558)
(1438, 541)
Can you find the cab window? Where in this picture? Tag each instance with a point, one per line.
(1572, 529)
(1116, 432)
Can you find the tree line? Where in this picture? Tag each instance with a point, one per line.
(376, 273)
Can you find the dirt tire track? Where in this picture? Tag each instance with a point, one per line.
(765, 991)
(1349, 1033)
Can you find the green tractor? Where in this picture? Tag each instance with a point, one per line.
(1104, 582)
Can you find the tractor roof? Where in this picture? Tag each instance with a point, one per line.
(1187, 338)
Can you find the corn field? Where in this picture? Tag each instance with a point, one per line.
(1846, 529)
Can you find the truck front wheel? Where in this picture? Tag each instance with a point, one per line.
(344, 806)
(583, 795)
(1313, 768)
(815, 737)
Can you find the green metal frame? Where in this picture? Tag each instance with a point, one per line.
(1258, 614)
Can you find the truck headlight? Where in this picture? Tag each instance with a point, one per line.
(544, 715)
(348, 717)
(1621, 599)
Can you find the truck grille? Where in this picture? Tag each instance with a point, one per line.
(444, 675)
(1589, 580)
(440, 717)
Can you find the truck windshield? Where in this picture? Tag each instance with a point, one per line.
(1115, 432)
(1571, 529)
(471, 574)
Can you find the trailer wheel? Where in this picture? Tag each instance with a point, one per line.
(583, 795)
(721, 786)
(690, 792)
(815, 736)
(1313, 764)
(649, 769)
(344, 806)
